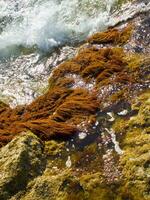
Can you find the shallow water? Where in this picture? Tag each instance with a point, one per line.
(36, 35)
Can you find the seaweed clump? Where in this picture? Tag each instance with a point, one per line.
(78, 89)
(52, 114)
(113, 36)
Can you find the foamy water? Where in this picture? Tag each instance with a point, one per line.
(48, 23)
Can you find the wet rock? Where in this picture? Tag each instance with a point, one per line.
(95, 173)
(67, 186)
(48, 187)
(135, 161)
(24, 78)
(20, 161)
(3, 105)
(53, 148)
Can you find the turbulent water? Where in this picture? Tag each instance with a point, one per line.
(29, 27)
(48, 23)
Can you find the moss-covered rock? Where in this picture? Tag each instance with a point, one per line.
(135, 160)
(53, 148)
(20, 161)
(97, 172)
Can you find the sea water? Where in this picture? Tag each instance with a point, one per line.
(49, 23)
(31, 29)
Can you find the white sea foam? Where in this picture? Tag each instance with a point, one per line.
(48, 23)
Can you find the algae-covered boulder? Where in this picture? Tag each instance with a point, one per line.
(20, 161)
(136, 158)
(93, 170)
(67, 186)
(61, 187)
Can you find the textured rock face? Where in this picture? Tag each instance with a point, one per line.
(135, 160)
(100, 102)
(84, 179)
(26, 77)
(20, 161)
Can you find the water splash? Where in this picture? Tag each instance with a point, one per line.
(50, 23)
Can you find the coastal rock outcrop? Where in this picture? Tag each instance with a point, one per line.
(90, 130)
(20, 161)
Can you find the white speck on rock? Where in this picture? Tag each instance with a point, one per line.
(68, 162)
(111, 115)
(116, 144)
(124, 112)
(96, 123)
(82, 135)
(55, 168)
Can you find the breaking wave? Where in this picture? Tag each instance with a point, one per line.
(49, 23)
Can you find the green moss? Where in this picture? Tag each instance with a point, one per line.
(71, 189)
(119, 125)
(88, 160)
(143, 117)
(92, 180)
(28, 50)
(53, 148)
(135, 61)
(136, 159)
(119, 3)
(135, 163)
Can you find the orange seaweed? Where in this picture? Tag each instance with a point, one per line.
(63, 107)
(114, 36)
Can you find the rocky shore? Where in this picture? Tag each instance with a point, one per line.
(87, 137)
